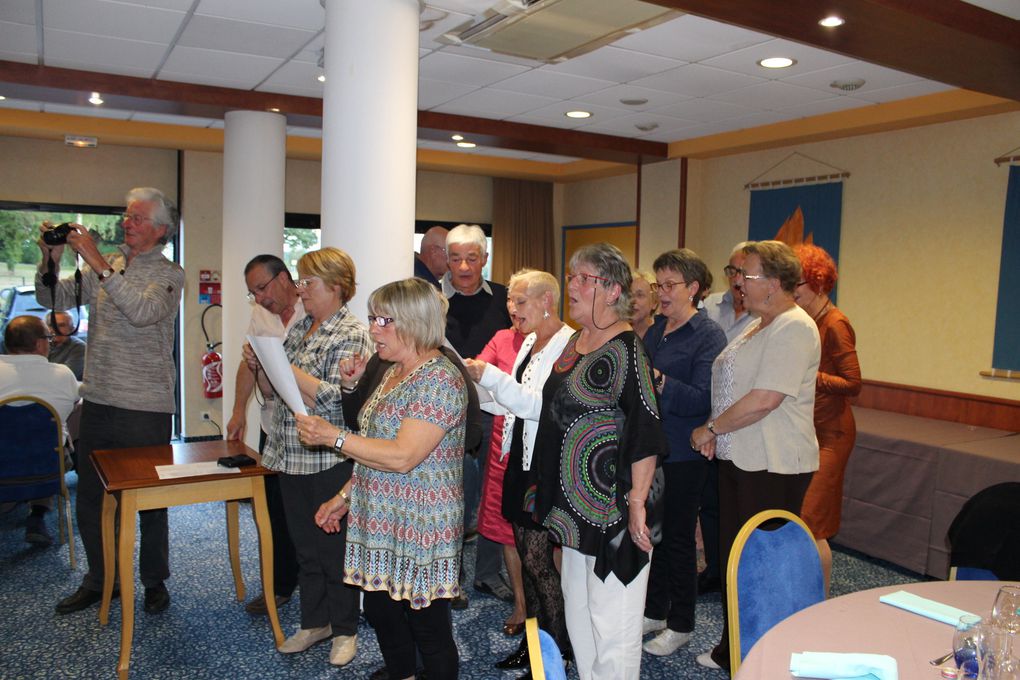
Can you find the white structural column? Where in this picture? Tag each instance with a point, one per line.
(369, 132)
(254, 170)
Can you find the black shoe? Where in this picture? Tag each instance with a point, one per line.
(518, 659)
(383, 674)
(708, 584)
(83, 598)
(35, 531)
(460, 602)
(498, 590)
(157, 599)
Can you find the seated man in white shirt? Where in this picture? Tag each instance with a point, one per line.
(25, 370)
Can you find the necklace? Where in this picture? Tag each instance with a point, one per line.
(821, 312)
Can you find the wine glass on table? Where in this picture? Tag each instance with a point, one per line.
(1006, 611)
(967, 645)
(998, 655)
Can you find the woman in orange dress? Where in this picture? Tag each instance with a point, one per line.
(839, 378)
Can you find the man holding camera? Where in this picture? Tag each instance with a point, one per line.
(133, 297)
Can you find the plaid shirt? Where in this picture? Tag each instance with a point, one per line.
(339, 337)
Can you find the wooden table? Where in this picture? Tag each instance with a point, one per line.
(858, 622)
(131, 475)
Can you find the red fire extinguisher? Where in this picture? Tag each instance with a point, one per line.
(212, 364)
(212, 373)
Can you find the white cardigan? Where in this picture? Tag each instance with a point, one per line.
(524, 399)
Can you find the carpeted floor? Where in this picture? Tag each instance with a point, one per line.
(207, 634)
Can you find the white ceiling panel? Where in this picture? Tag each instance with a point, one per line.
(310, 52)
(823, 106)
(691, 38)
(20, 104)
(612, 63)
(90, 111)
(553, 115)
(734, 124)
(243, 37)
(108, 55)
(694, 80)
(179, 5)
(440, 25)
(295, 77)
(169, 119)
(18, 11)
(482, 53)
(492, 103)
(213, 66)
(672, 135)
(875, 77)
(550, 158)
(112, 19)
(914, 89)
(432, 93)
(463, 6)
(1009, 8)
(550, 84)
(21, 57)
(305, 14)
(611, 97)
(772, 95)
(626, 126)
(703, 110)
(17, 38)
(746, 60)
(466, 70)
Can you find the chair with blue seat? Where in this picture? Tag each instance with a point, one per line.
(771, 574)
(984, 538)
(543, 653)
(32, 458)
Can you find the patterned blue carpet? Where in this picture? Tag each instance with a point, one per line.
(207, 634)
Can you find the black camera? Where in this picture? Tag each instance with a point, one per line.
(57, 236)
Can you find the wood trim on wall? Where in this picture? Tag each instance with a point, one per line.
(972, 409)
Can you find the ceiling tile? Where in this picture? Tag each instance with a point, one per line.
(18, 11)
(875, 77)
(612, 63)
(171, 119)
(440, 25)
(492, 103)
(178, 5)
(230, 69)
(611, 97)
(90, 111)
(553, 115)
(691, 38)
(807, 58)
(20, 57)
(18, 38)
(550, 84)
(463, 6)
(432, 93)
(625, 126)
(905, 91)
(243, 37)
(694, 130)
(694, 80)
(1009, 8)
(550, 158)
(107, 55)
(482, 53)
(822, 106)
(304, 14)
(704, 110)
(732, 124)
(294, 77)
(310, 52)
(20, 104)
(112, 19)
(466, 70)
(772, 95)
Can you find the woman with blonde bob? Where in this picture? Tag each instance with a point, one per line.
(644, 292)
(404, 503)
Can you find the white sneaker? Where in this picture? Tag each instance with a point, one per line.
(343, 650)
(305, 638)
(666, 642)
(706, 660)
(652, 625)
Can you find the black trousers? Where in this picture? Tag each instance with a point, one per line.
(673, 578)
(708, 515)
(109, 427)
(325, 598)
(742, 495)
(402, 631)
(285, 565)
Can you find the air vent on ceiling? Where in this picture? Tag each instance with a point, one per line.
(555, 30)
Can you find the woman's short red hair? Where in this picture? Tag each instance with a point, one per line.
(817, 267)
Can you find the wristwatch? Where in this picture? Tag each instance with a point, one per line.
(339, 444)
(711, 428)
(105, 274)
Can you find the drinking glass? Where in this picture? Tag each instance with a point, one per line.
(967, 645)
(1006, 612)
(998, 655)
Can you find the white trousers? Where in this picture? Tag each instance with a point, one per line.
(603, 619)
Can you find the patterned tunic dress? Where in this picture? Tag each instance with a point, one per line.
(600, 413)
(404, 529)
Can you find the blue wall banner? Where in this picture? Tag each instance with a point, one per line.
(820, 212)
(1006, 354)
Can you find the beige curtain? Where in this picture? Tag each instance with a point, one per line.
(522, 228)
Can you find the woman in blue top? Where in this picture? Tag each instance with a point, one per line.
(682, 344)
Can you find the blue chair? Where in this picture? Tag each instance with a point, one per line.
(984, 538)
(32, 458)
(770, 575)
(543, 653)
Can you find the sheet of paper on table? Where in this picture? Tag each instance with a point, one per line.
(274, 361)
(193, 470)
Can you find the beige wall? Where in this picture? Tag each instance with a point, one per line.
(600, 201)
(660, 210)
(446, 197)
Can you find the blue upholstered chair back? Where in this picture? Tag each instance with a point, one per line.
(543, 653)
(770, 575)
(30, 450)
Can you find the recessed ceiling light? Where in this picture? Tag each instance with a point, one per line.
(321, 78)
(2, 97)
(457, 138)
(848, 85)
(832, 21)
(646, 127)
(466, 145)
(95, 99)
(637, 101)
(578, 114)
(274, 109)
(777, 62)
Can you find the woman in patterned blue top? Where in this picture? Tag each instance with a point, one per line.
(405, 499)
(597, 498)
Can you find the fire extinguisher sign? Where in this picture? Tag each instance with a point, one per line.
(209, 287)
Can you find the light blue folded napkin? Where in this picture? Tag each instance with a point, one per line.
(835, 666)
(924, 607)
